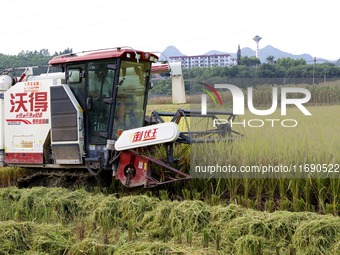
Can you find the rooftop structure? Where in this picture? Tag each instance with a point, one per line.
(205, 60)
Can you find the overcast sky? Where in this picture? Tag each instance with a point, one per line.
(194, 27)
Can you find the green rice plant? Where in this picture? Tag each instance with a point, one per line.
(196, 195)
(155, 248)
(133, 207)
(163, 195)
(52, 239)
(205, 237)
(322, 191)
(178, 234)
(189, 214)
(309, 143)
(233, 186)
(186, 194)
(322, 236)
(335, 247)
(17, 238)
(8, 199)
(189, 237)
(14, 237)
(259, 190)
(213, 199)
(335, 196)
(269, 205)
(217, 240)
(285, 204)
(249, 245)
(292, 250)
(140, 224)
(307, 186)
(246, 188)
(104, 213)
(155, 222)
(131, 229)
(91, 246)
(49, 205)
(267, 144)
(295, 186)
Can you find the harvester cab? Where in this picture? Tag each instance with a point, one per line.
(111, 88)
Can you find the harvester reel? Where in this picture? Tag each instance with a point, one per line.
(130, 173)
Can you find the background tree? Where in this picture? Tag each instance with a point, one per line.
(250, 61)
(66, 51)
(239, 55)
(289, 62)
(29, 58)
(270, 59)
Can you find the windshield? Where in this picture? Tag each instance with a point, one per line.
(100, 83)
(130, 109)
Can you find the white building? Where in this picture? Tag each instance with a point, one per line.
(205, 60)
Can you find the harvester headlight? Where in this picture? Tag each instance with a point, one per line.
(153, 59)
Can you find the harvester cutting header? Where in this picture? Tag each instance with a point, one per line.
(90, 115)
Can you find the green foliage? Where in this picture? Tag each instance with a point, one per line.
(250, 61)
(250, 72)
(289, 62)
(29, 58)
(161, 87)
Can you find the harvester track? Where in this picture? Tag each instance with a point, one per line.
(64, 179)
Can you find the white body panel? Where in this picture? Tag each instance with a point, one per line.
(27, 117)
(29, 107)
(46, 76)
(2, 122)
(149, 135)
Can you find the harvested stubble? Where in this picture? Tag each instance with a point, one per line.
(10, 175)
(59, 221)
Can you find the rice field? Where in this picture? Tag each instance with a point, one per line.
(312, 143)
(243, 215)
(314, 139)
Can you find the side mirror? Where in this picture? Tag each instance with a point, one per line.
(74, 75)
(108, 100)
(89, 101)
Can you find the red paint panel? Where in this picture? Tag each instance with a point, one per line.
(27, 158)
(160, 68)
(140, 165)
(95, 55)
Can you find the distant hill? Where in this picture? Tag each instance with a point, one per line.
(265, 52)
(276, 53)
(170, 51)
(215, 52)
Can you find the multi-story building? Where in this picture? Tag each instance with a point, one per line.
(205, 60)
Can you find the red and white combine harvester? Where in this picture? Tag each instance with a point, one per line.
(91, 115)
